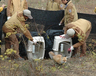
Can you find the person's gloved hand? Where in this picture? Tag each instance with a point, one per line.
(31, 39)
(3, 5)
(33, 42)
(60, 23)
(62, 36)
(65, 36)
(8, 17)
(70, 49)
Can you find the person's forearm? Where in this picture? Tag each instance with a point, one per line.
(62, 20)
(77, 44)
(28, 35)
(9, 14)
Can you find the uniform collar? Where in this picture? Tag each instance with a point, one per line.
(68, 4)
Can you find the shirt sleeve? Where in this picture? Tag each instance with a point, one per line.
(25, 6)
(9, 5)
(25, 32)
(65, 29)
(77, 44)
(61, 5)
(71, 13)
(1, 9)
(63, 19)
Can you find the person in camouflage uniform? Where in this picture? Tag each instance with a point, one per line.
(79, 31)
(70, 13)
(10, 29)
(15, 6)
(55, 5)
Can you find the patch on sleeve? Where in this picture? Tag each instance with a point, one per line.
(61, 5)
(70, 10)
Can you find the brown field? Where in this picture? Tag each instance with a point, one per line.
(75, 66)
(83, 6)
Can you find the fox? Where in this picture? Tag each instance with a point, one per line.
(57, 58)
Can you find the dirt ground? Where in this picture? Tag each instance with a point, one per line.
(85, 66)
(75, 66)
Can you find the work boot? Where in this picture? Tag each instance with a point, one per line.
(51, 54)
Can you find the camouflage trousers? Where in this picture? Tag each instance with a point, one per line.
(82, 50)
(12, 43)
(82, 47)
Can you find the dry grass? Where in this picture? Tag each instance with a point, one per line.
(82, 6)
(85, 66)
(75, 66)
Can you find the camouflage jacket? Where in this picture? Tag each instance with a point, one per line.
(17, 21)
(70, 13)
(81, 27)
(55, 5)
(16, 6)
